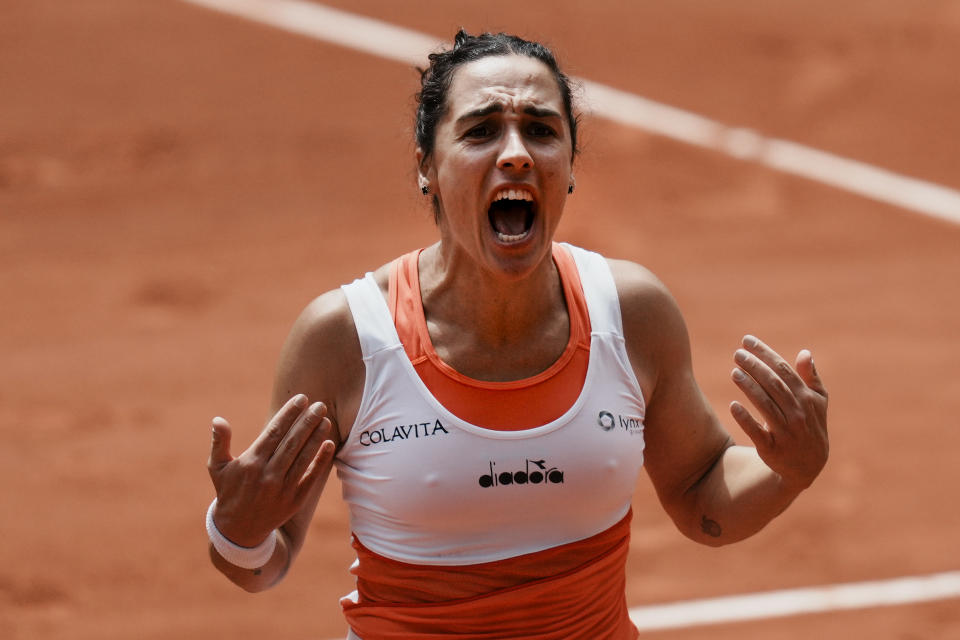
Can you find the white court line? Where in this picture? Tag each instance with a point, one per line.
(333, 25)
(411, 47)
(773, 604)
(790, 602)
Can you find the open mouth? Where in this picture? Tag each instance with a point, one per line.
(511, 214)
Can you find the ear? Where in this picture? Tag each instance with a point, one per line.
(424, 168)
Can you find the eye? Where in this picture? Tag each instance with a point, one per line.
(484, 130)
(540, 130)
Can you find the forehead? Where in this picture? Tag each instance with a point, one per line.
(512, 81)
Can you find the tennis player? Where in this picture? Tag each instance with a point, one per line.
(489, 401)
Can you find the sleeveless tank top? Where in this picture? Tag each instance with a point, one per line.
(424, 486)
(427, 488)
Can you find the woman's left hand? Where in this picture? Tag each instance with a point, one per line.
(792, 440)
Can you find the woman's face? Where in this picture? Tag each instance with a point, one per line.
(501, 163)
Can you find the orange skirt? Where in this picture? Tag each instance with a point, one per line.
(585, 603)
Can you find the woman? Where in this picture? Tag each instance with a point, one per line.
(489, 400)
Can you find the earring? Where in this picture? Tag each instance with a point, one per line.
(570, 188)
(424, 189)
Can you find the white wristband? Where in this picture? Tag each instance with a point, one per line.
(243, 557)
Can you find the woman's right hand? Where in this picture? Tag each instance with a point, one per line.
(263, 487)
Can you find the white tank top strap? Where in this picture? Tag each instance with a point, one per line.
(371, 315)
(599, 290)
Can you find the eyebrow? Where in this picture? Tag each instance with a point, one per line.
(496, 107)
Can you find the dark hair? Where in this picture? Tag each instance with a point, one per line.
(435, 80)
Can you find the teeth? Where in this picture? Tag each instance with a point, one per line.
(513, 194)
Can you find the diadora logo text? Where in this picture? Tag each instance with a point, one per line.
(541, 474)
(401, 432)
(630, 424)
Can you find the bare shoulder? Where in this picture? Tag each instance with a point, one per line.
(653, 326)
(325, 325)
(325, 330)
(640, 291)
(322, 359)
(646, 304)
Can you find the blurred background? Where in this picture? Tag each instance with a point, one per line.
(177, 183)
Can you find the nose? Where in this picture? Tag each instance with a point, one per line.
(514, 153)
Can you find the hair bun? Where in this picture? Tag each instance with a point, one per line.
(461, 37)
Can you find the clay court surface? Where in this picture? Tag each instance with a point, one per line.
(176, 184)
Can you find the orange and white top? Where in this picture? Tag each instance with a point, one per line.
(491, 509)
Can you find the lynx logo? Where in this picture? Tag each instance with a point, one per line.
(606, 420)
(401, 432)
(630, 424)
(540, 475)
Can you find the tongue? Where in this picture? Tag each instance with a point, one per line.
(509, 217)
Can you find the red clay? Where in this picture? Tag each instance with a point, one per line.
(175, 185)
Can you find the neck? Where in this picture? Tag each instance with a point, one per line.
(471, 311)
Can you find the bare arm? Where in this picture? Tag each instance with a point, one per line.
(717, 492)
(277, 482)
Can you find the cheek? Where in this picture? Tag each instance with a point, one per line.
(556, 162)
(462, 175)
(558, 175)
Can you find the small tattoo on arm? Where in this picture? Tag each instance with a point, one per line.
(710, 527)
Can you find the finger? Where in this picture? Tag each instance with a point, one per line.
(309, 450)
(271, 436)
(767, 393)
(296, 437)
(808, 372)
(318, 469)
(220, 444)
(780, 367)
(778, 378)
(762, 438)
